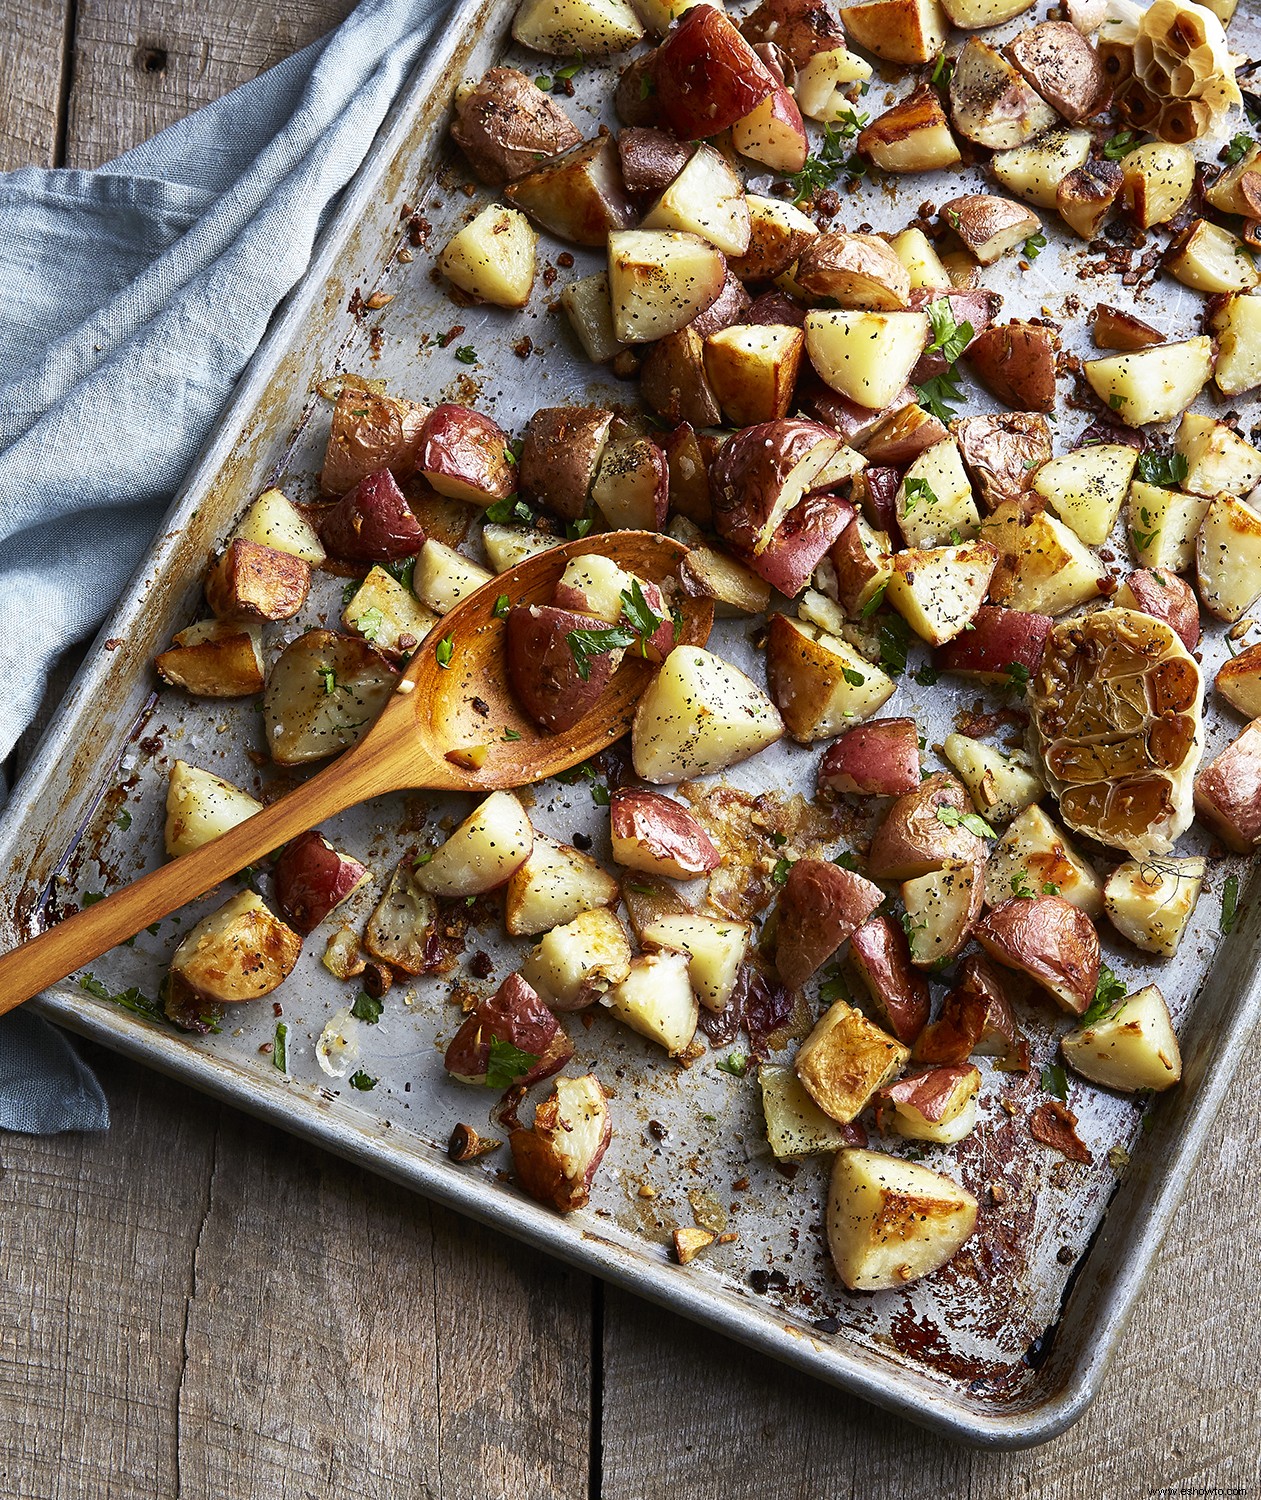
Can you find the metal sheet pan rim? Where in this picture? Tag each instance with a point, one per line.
(846, 1366)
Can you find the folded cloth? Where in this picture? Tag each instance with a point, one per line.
(137, 294)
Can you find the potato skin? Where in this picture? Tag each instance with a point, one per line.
(1049, 939)
(1064, 68)
(999, 639)
(560, 455)
(1016, 362)
(252, 582)
(238, 953)
(707, 75)
(464, 454)
(312, 878)
(751, 472)
(651, 158)
(881, 956)
(913, 841)
(507, 124)
(373, 523)
(1165, 597)
(796, 546)
(879, 758)
(536, 1154)
(542, 668)
(799, 27)
(369, 432)
(976, 305)
(658, 835)
(1228, 792)
(514, 1014)
(1002, 452)
(821, 905)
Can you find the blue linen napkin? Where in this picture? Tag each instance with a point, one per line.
(135, 296)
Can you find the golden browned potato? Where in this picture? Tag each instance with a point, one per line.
(913, 136)
(845, 1059)
(560, 455)
(990, 226)
(1002, 453)
(673, 382)
(250, 582)
(1084, 198)
(801, 28)
(215, 659)
(820, 906)
(556, 1159)
(990, 103)
(323, 692)
(240, 952)
(579, 196)
(1050, 940)
(1016, 362)
(902, 31)
(506, 126)
(855, 270)
(916, 839)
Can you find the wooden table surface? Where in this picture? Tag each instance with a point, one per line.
(196, 1305)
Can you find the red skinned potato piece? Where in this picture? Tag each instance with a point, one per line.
(651, 158)
(820, 906)
(1000, 1036)
(506, 125)
(658, 835)
(850, 421)
(773, 133)
(543, 670)
(899, 435)
(954, 1035)
(1002, 452)
(707, 76)
(579, 196)
(880, 957)
(560, 455)
(875, 492)
(932, 1093)
(727, 309)
(1064, 68)
(632, 485)
(1051, 941)
(369, 432)
(761, 473)
(373, 523)
(1228, 792)
(635, 97)
(1016, 362)
(913, 840)
(999, 640)
(590, 599)
(800, 540)
(515, 1017)
(799, 27)
(556, 1160)
(776, 307)
(313, 879)
(1166, 597)
(879, 758)
(465, 455)
(975, 305)
(688, 457)
(673, 381)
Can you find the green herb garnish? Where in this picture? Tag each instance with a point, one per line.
(1230, 903)
(1020, 887)
(855, 679)
(1121, 145)
(505, 1064)
(280, 1049)
(509, 509)
(329, 678)
(362, 1081)
(950, 339)
(915, 490)
(1055, 1081)
(781, 871)
(735, 1063)
(466, 354)
(937, 394)
(874, 603)
(1034, 246)
(1165, 469)
(1238, 148)
(502, 605)
(1108, 991)
(367, 1008)
(973, 822)
(443, 651)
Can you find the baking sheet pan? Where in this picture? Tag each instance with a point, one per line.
(1007, 1345)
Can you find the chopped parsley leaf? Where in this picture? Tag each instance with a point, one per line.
(1055, 1081)
(466, 354)
(1160, 468)
(329, 678)
(1121, 145)
(937, 394)
(1108, 991)
(505, 1064)
(1230, 903)
(443, 652)
(123, 820)
(509, 509)
(502, 605)
(362, 1081)
(280, 1049)
(576, 530)
(1034, 246)
(855, 679)
(1238, 148)
(950, 339)
(915, 490)
(1020, 887)
(781, 871)
(874, 603)
(584, 645)
(367, 1008)
(735, 1063)
(973, 822)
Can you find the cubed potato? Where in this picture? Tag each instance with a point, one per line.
(632, 484)
(699, 714)
(942, 908)
(1002, 783)
(1004, 647)
(673, 381)
(659, 280)
(991, 104)
(1065, 69)
(795, 1125)
(938, 590)
(1226, 191)
(1087, 487)
(556, 884)
(201, 806)
(1035, 856)
(938, 1105)
(861, 563)
(1219, 461)
(923, 264)
(826, 81)
(708, 574)
(505, 124)
(556, 1159)
(1035, 170)
(1154, 384)
(312, 879)
(576, 962)
(443, 577)
(322, 695)
(1163, 525)
(656, 834)
(239, 952)
(778, 231)
(579, 196)
(1239, 681)
(560, 455)
(215, 659)
(705, 199)
(1133, 1047)
(369, 431)
(935, 504)
(773, 133)
(509, 1038)
(971, 15)
(901, 31)
(854, 270)
(492, 259)
(923, 831)
(715, 947)
(386, 614)
(1238, 327)
(879, 759)
(819, 682)
(254, 583)
(1157, 181)
(656, 999)
(880, 959)
(892, 1221)
(1165, 597)
(1002, 451)
(752, 370)
(990, 225)
(1044, 567)
(1086, 196)
(1228, 792)
(659, 15)
(1211, 259)
(1017, 362)
(590, 312)
(845, 1059)
(274, 521)
(1228, 558)
(820, 907)
(506, 546)
(402, 927)
(866, 356)
(592, 28)
(483, 853)
(1050, 940)
(1151, 901)
(913, 136)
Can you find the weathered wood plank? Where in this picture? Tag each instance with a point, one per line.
(684, 1410)
(32, 76)
(140, 64)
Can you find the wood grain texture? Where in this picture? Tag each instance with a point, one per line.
(687, 1412)
(141, 64)
(33, 55)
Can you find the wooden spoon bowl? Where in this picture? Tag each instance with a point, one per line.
(452, 727)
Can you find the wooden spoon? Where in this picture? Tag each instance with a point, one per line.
(433, 711)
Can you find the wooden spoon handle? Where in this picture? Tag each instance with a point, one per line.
(78, 939)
